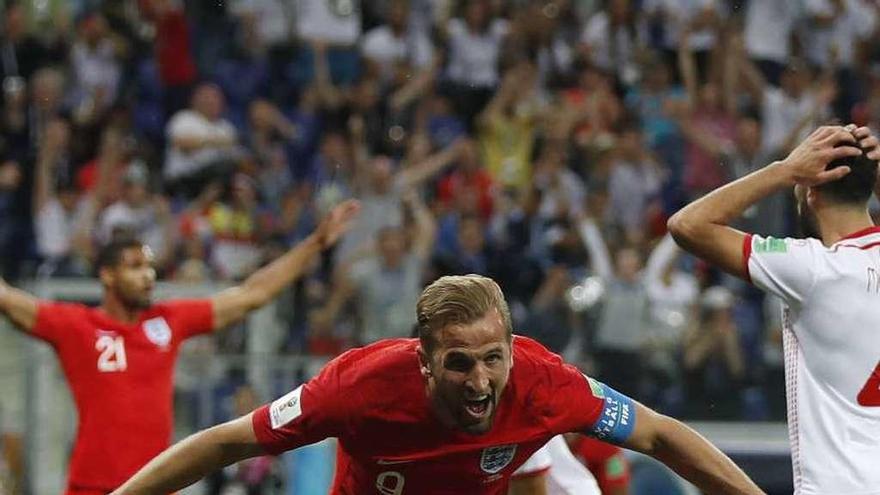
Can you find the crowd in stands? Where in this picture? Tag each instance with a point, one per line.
(540, 142)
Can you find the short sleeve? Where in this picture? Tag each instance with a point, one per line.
(191, 317)
(183, 124)
(53, 322)
(571, 406)
(370, 46)
(308, 414)
(785, 268)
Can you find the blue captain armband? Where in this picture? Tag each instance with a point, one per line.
(618, 417)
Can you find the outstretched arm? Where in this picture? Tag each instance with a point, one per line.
(19, 306)
(263, 285)
(195, 457)
(591, 236)
(687, 453)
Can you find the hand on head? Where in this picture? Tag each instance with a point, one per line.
(808, 161)
(866, 139)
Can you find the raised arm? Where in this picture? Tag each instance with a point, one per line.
(417, 174)
(663, 255)
(194, 458)
(592, 239)
(751, 78)
(687, 68)
(687, 453)
(703, 227)
(263, 285)
(426, 227)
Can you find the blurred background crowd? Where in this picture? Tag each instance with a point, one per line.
(540, 142)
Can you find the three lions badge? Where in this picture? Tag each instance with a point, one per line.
(495, 459)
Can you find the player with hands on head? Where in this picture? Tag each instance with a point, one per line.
(828, 282)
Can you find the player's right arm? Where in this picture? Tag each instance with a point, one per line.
(19, 306)
(703, 226)
(194, 458)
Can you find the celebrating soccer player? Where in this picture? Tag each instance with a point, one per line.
(829, 283)
(119, 357)
(457, 410)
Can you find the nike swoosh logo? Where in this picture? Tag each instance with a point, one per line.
(383, 462)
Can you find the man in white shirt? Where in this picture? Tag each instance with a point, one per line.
(828, 283)
(396, 43)
(767, 34)
(199, 138)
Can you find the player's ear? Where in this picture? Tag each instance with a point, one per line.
(424, 363)
(105, 275)
(813, 197)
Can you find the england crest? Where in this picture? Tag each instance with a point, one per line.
(158, 331)
(495, 459)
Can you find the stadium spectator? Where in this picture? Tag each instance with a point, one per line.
(202, 144)
(386, 281)
(97, 69)
(397, 45)
(612, 38)
(712, 358)
(474, 41)
(63, 214)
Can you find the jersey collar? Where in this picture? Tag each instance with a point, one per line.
(861, 233)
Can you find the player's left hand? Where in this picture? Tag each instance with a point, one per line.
(337, 222)
(867, 140)
(807, 162)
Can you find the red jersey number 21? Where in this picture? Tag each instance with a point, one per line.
(870, 394)
(112, 357)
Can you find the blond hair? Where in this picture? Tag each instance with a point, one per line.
(458, 300)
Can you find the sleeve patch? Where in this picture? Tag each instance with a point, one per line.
(770, 245)
(595, 388)
(286, 409)
(617, 420)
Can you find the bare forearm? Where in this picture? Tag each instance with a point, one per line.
(187, 462)
(697, 350)
(725, 204)
(694, 458)
(268, 281)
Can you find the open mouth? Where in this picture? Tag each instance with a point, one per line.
(478, 407)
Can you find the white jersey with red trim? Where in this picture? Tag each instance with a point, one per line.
(831, 327)
(565, 474)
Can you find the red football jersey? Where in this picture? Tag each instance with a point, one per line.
(121, 378)
(607, 462)
(374, 401)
